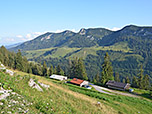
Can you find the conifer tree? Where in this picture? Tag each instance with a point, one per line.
(107, 72)
(81, 70)
(45, 70)
(97, 78)
(59, 70)
(141, 76)
(35, 69)
(51, 70)
(29, 70)
(62, 72)
(73, 70)
(40, 70)
(134, 82)
(54, 71)
(117, 79)
(123, 81)
(127, 80)
(146, 82)
(19, 61)
(94, 80)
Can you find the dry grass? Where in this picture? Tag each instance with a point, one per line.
(78, 99)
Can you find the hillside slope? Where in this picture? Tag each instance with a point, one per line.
(64, 98)
(56, 99)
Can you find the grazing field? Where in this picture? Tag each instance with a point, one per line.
(74, 52)
(55, 100)
(67, 98)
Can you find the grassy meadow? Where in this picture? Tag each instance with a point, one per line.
(63, 98)
(56, 100)
(75, 52)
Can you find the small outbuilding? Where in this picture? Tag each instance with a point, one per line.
(117, 85)
(58, 77)
(79, 82)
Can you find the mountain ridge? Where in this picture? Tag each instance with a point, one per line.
(84, 38)
(128, 49)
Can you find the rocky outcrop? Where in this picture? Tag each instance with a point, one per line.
(33, 84)
(44, 85)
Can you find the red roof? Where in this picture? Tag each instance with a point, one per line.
(76, 81)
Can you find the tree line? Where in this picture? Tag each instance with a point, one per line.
(76, 69)
(141, 81)
(18, 62)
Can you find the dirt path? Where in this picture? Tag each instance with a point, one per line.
(113, 91)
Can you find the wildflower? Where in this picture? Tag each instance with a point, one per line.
(9, 105)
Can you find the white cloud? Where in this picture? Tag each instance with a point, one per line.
(10, 39)
(28, 36)
(19, 36)
(22, 38)
(114, 28)
(61, 30)
(58, 31)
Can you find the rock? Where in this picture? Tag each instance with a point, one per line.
(10, 72)
(44, 85)
(34, 85)
(1, 104)
(3, 96)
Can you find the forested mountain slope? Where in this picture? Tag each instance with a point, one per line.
(128, 49)
(84, 38)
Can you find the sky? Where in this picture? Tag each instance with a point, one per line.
(22, 20)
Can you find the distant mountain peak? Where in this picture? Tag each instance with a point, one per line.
(82, 31)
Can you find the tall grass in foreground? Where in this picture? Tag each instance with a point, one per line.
(53, 100)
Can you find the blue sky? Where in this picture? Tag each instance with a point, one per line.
(22, 20)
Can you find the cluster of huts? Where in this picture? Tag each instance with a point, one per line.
(75, 81)
(82, 83)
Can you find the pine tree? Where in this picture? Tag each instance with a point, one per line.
(77, 69)
(81, 70)
(19, 61)
(141, 76)
(94, 80)
(97, 78)
(123, 81)
(73, 70)
(25, 64)
(146, 82)
(62, 72)
(51, 70)
(40, 70)
(35, 69)
(117, 79)
(151, 93)
(107, 72)
(54, 71)
(29, 69)
(59, 70)
(127, 80)
(45, 69)
(134, 82)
